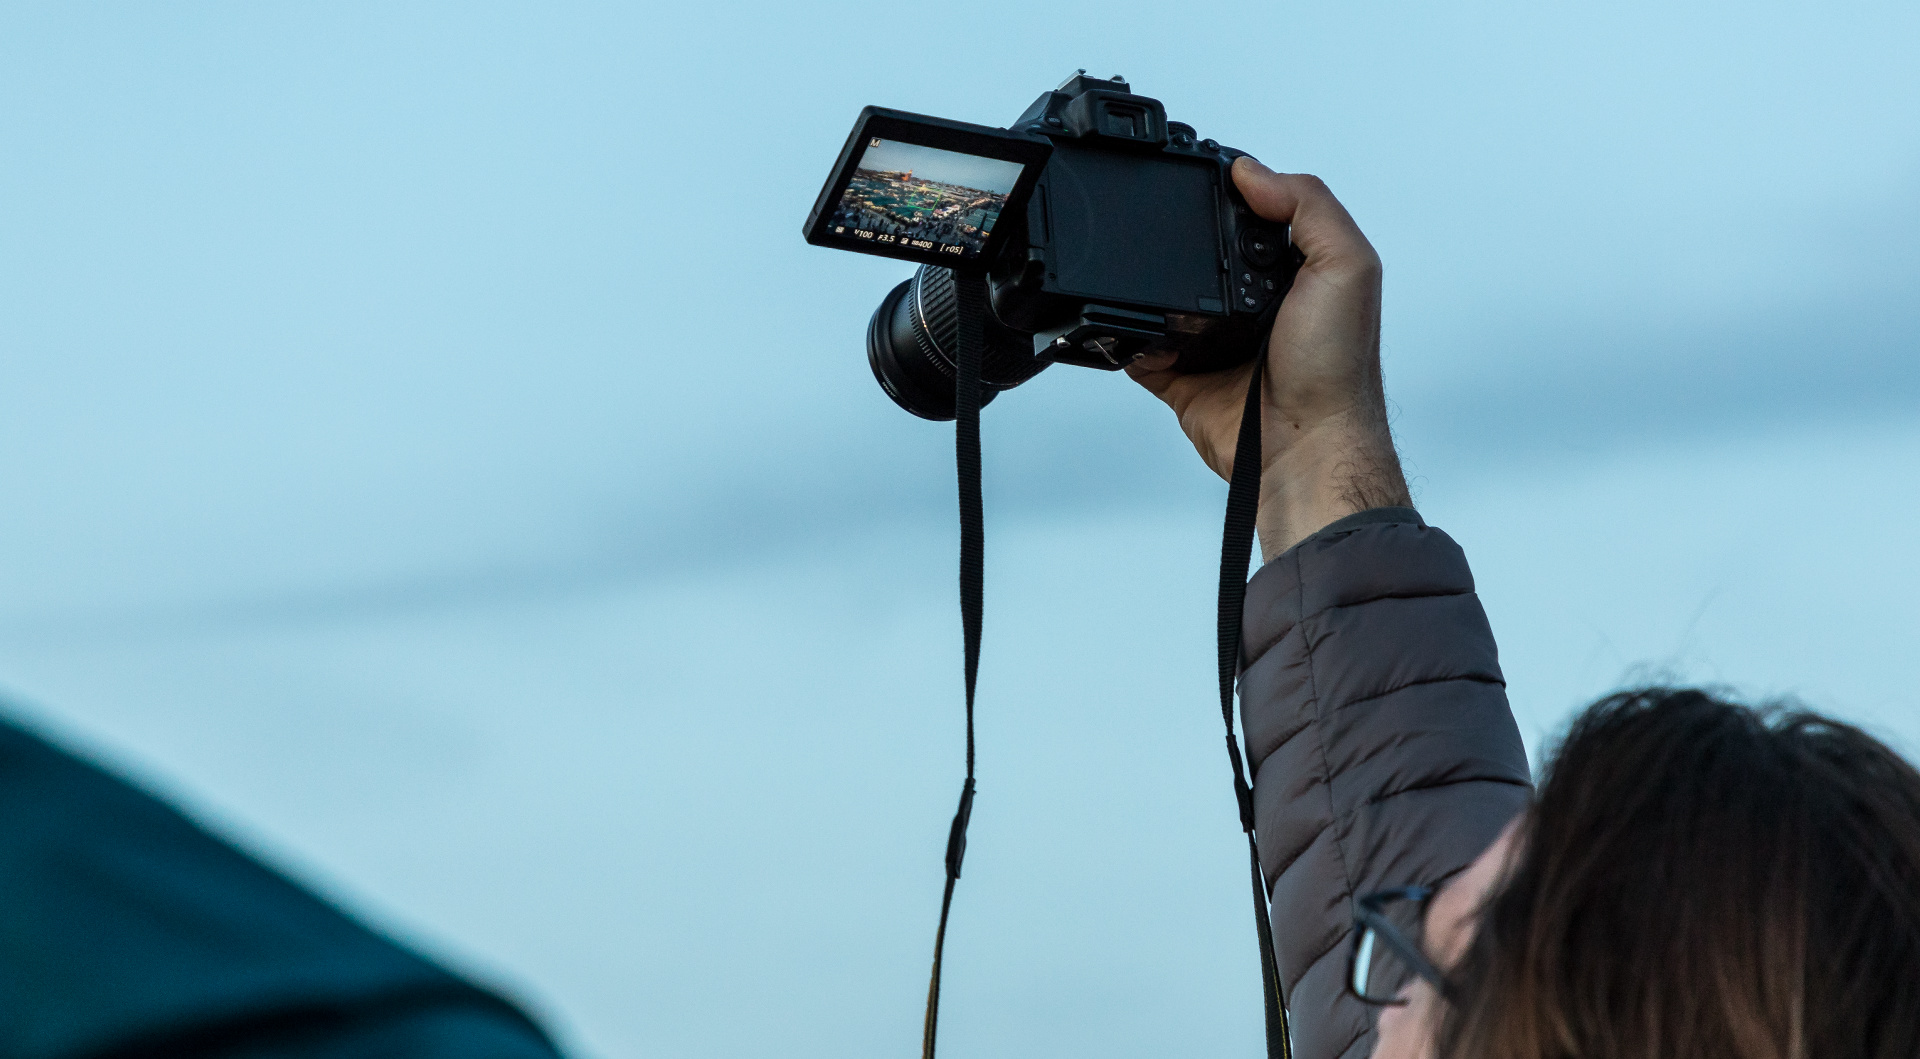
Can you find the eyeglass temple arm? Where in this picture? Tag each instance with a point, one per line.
(1369, 915)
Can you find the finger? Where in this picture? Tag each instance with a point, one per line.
(1323, 230)
(1151, 372)
(1152, 362)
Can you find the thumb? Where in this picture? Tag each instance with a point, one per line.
(1151, 371)
(1323, 230)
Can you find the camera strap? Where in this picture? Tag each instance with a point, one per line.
(970, 291)
(1236, 549)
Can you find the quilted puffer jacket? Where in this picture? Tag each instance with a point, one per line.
(1383, 750)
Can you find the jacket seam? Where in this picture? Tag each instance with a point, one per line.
(1270, 642)
(1357, 1038)
(1340, 938)
(1448, 594)
(1366, 1027)
(1349, 704)
(1326, 766)
(1278, 746)
(1443, 785)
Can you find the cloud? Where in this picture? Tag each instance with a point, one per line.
(1549, 393)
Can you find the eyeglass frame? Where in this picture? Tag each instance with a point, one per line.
(1367, 916)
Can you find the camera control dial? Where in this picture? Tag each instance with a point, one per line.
(1261, 248)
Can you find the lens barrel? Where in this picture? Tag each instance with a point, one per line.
(914, 336)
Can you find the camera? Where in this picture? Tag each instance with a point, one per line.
(1100, 230)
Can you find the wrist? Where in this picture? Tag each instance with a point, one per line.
(1334, 469)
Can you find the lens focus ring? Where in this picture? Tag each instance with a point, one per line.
(936, 317)
(935, 305)
(915, 334)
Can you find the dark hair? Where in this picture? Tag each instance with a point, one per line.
(1699, 879)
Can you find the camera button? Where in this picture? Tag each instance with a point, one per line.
(1261, 249)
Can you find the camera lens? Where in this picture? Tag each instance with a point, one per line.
(914, 337)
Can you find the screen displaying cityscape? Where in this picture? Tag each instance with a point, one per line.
(924, 197)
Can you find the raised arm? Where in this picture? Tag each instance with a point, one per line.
(1326, 451)
(1375, 714)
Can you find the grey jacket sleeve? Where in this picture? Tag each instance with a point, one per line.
(1383, 750)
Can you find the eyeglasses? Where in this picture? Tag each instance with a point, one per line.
(1386, 946)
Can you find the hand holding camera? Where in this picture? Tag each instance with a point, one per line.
(1100, 234)
(1325, 447)
(1093, 230)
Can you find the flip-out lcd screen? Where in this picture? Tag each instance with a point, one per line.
(928, 198)
(926, 189)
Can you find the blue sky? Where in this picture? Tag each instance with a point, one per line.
(411, 466)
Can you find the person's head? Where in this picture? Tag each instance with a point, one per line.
(1694, 879)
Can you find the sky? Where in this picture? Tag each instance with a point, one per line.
(945, 167)
(411, 471)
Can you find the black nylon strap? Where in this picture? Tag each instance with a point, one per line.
(1236, 548)
(970, 292)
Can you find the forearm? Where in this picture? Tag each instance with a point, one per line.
(1321, 473)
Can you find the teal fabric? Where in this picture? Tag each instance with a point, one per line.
(127, 930)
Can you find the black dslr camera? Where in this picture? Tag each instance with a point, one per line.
(1102, 231)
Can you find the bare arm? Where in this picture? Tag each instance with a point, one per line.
(1326, 450)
